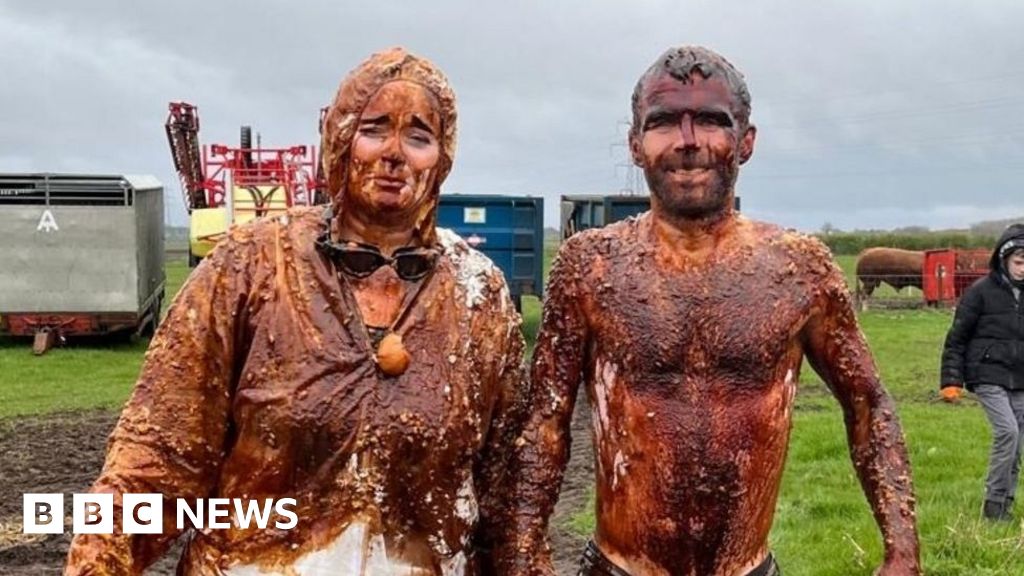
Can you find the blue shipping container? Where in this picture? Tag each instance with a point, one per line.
(507, 229)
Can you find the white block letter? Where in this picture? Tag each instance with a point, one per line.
(281, 509)
(218, 508)
(184, 509)
(143, 514)
(244, 515)
(92, 514)
(43, 513)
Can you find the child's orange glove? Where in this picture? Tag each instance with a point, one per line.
(952, 393)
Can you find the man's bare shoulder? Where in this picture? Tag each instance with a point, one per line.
(802, 250)
(605, 240)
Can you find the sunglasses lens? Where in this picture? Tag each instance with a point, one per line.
(360, 263)
(413, 266)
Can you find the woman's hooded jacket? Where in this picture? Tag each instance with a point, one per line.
(261, 385)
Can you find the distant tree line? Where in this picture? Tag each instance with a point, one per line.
(855, 242)
(994, 227)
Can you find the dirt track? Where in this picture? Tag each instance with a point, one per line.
(63, 453)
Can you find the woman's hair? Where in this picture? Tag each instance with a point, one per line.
(355, 92)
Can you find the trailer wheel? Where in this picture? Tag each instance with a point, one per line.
(193, 260)
(154, 317)
(124, 336)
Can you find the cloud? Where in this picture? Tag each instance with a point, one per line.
(872, 112)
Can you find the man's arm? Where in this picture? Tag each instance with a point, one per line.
(837, 350)
(170, 437)
(542, 450)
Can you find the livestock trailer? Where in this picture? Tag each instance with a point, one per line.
(83, 255)
(949, 272)
(507, 229)
(582, 211)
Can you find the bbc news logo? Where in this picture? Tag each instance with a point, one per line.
(144, 514)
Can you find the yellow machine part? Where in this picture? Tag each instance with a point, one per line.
(209, 225)
(206, 227)
(251, 202)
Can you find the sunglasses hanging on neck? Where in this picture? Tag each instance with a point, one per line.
(360, 260)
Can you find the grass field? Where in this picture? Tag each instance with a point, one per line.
(823, 525)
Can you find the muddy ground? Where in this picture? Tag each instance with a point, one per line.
(63, 453)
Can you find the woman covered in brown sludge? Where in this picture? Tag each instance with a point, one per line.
(362, 362)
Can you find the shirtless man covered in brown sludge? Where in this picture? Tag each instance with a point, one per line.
(688, 326)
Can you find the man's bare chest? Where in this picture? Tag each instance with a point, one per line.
(701, 325)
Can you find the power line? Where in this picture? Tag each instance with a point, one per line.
(914, 86)
(888, 140)
(959, 107)
(635, 182)
(933, 169)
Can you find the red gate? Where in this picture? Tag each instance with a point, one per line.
(948, 273)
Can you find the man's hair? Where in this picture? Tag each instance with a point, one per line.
(681, 62)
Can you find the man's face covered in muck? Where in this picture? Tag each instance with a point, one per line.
(264, 382)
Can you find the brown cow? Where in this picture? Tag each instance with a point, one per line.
(896, 267)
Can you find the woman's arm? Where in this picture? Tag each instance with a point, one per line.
(170, 439)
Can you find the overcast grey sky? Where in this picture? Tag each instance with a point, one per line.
(871, 114)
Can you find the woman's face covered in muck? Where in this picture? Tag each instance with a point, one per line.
(395, 151)
(388, 142)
